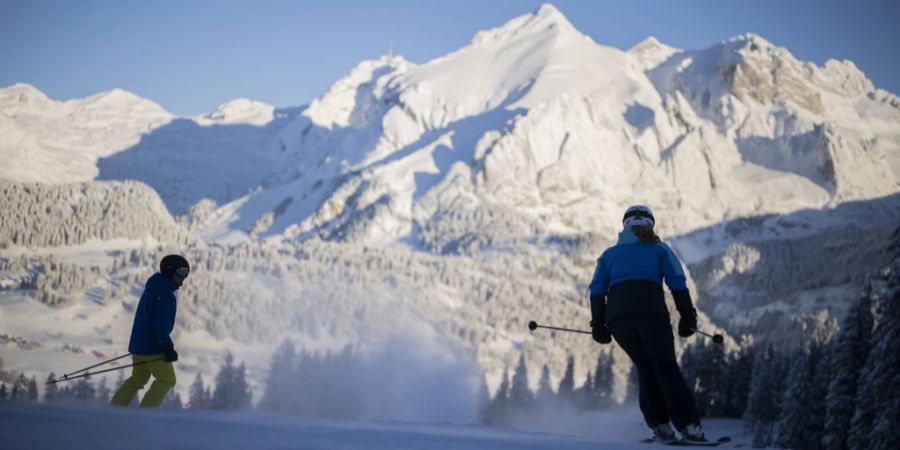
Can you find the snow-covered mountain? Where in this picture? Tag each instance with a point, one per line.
(59, 142)
(536, 118)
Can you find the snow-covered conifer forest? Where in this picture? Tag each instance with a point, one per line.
(379, 252)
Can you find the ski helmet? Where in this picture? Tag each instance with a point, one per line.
(174, 264)
(639, 215)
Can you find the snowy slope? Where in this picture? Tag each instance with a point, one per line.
(28, 427)
(759, 274)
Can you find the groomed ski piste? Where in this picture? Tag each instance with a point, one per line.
(56, 427)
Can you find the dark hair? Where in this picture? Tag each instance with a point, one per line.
(645, 234)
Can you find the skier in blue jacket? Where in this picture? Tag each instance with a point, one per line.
(151, 345)
(628, 304)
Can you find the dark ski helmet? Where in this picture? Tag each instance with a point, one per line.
(172, 264)
(639, 215)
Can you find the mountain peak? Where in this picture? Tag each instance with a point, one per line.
(548, 10)
(21, 95)
(651, 52)
(546, 20)
(239, 111)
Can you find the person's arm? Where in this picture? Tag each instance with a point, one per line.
(164, 319)
(598, 289)
(672, 270)
(677, 282)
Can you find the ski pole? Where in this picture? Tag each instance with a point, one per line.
(66, 375)
(717, 338)
(534, 325)
(104, 371)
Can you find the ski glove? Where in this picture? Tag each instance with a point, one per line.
(600, 332)
(169, 354)
(687, 325)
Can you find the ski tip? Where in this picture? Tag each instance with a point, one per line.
(532, 325)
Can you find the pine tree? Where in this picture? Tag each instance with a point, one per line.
(584, 395)
(800, 424)
(520, 397)
(499, 410)
(51, 392)
(19, 389)
(84, 391)
(231, 390)
(875, 420)
(32, 395)
(566, 390)
(764, 397)
(282, 381)
(103, 391)
(847, 358)
(702, 367)
(484, 402)
(634, 382)
(545, 395)
(603, 383)
(198, 396)
(172, 401)
(243, 397)
(738, 380)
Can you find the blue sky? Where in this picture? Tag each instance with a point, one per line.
(192, 55)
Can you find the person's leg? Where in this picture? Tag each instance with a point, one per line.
(650, 397)
(659, 345)
(163, 380)
(139, 376)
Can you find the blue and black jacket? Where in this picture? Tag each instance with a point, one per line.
(154, 318)
(629, 276)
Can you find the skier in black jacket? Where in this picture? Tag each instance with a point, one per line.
(627, 303)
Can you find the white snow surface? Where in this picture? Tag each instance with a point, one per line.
(30, 427)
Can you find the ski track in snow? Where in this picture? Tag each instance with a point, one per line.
(45, 427)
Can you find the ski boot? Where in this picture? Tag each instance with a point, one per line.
(664, 433)
(693, 433)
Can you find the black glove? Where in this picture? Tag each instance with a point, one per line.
(600, 332)
(169, 354)
(687, 325)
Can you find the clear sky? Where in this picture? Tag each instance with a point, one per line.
(191, 55)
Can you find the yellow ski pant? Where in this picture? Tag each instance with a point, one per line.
(163, 380)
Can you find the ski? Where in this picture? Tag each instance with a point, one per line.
(683, 443)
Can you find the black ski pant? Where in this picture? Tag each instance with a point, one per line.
(663, 394)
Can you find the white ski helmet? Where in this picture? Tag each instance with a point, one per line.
(638, 215)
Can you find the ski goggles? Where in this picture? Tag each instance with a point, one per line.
(638, 214)
(183, 271)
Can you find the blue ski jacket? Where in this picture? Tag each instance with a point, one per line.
(154, 318)
(630, 275)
